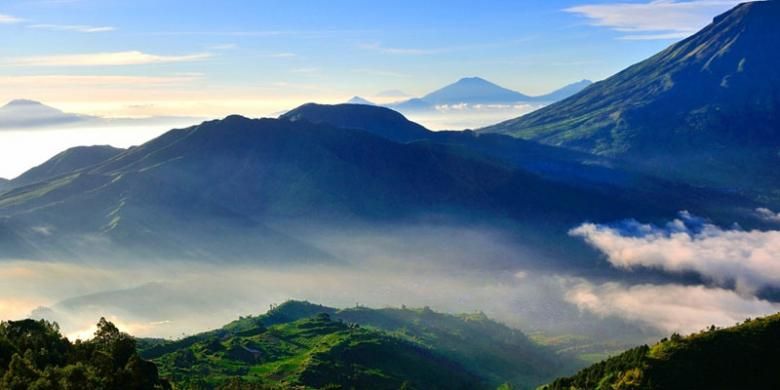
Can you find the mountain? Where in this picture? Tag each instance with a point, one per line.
(705, 110)
(392, 93)
(69, 161)
(360, 100)
(34, 355)
(474, 90)
(208, 192)
(379, 121)
(741, 357)
(21, 113)
(412, 105)
(573, 168)
(4, 183)
(302, 344)
(564, 92)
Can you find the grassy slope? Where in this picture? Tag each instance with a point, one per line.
(293, 345)
(740, 357)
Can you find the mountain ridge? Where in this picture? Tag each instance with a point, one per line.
(477, 90)
(702, 110)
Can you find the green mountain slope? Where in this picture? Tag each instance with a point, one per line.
(299, 343)
(741, 357)
(704, 110)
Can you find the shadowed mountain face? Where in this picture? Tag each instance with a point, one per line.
(27, 113)
(206, 191)
(66, 162)
(564, 92)
(577, 169)
(705, 109)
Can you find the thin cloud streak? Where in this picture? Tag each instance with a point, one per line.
(104, 59)
(8, 19)
(94, 80)
(659, 19)
(74, 28)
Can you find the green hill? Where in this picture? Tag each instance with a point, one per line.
(312, 346)
(741, 357)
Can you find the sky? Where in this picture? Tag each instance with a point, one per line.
(207, 59)
(143, 57)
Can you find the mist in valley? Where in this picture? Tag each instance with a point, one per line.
(449, 268)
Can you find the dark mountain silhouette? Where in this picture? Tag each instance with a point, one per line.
(380, 121)
(208, 190)
(553, 163)
(704, 110)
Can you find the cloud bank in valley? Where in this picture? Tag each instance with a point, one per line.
(672, 308)
(739, 262)
(748, 259)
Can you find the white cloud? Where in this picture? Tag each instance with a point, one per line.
(74, 28)
(751, 259)
(70, 81)
(768, 215)
(659, 19)
(104, 59)
(671, 308)
(8, 19)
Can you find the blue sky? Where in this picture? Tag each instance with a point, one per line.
(143, 57)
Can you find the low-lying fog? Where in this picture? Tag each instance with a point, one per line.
(451, 269)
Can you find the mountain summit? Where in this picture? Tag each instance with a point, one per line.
(704, 109)
(474, 90)
(23, 113)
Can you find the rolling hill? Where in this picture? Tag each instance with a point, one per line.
(704, 110)
(741, 357)
(298, 343)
